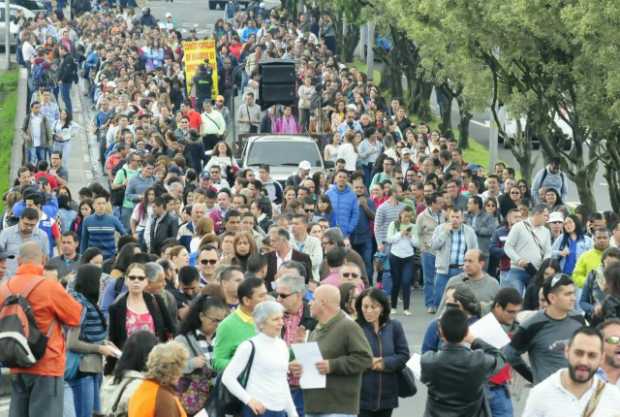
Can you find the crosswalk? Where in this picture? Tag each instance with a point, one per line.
(4, 406)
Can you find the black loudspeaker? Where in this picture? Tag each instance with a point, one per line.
(278, 83)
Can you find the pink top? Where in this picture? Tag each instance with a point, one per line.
(136, 322)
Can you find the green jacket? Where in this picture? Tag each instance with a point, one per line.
(342, 342)
(230, 333)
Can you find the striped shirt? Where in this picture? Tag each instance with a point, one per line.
(386, 214)
(458, 247)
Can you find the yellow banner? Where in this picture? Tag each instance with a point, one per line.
(194, 54)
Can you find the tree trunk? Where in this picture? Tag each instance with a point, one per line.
(522, 150)
(584, 182)
(350, 40)
(419, 98)
(391, 78)
(613, 181)
(444, 101)
(466, 116)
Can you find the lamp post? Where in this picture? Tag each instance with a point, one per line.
(6, 62)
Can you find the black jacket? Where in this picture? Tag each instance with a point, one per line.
(380, 389)
(67, 71)
(272, 266)
(164, 328)
(162, 230)
(455, 377)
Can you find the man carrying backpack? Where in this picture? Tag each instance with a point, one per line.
(38, 384)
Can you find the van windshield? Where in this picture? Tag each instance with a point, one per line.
(283, 154)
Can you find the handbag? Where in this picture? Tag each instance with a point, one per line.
(221, 402)
(72, 365)
(406, 383)
(194, 388)
(118, 195)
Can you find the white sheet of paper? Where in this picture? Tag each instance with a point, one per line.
(308, 354)
(202, 413)
(489, 330)
(414, 364)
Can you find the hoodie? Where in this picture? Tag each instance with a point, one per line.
(346, 209)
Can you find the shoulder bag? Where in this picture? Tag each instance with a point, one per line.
(221, 402)
(594, 400)
(194, 388)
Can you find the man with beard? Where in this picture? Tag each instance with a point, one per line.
(609, 370)
(574, 391)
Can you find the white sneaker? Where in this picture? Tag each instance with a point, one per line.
(407, 312)
(393, 311)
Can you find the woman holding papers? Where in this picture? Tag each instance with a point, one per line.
(266, 392)
(390, 353)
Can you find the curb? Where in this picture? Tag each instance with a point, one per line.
(17, 149)
(93, 147)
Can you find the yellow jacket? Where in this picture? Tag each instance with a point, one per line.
(587, 262)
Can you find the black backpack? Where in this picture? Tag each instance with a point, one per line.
(21, 342)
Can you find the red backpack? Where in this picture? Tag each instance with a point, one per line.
(21, 342)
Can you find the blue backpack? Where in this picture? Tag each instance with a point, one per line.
(40, 77)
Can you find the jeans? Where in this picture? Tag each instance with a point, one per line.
(367, 173)
(86, 395)
(126, 216)
(36, 395)
(402, 276)
(298, 399)
(37, 153)
(63, 147)
(365, 251)
(65, 92)
(69, 402)
(428, 272)
(516, 278)
(499, 401)
(440, 283)
(247, 412)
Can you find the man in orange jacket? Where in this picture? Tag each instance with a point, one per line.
(39, 390)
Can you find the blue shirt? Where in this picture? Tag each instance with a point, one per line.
(571, 258)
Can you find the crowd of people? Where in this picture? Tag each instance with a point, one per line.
(186, 278)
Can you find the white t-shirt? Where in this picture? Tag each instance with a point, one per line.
(551, 399)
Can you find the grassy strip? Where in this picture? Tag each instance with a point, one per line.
(362, 67)
(8, 110)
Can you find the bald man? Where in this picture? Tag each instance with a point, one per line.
(484, 286)
(38, 390)
(346, 355)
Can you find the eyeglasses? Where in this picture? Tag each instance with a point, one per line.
(284, 296)
(208, 261)
(613, 340)
(350, 275)
(515, 192)
(309, 210)
(555, 280)
(136, 277)
(216, 321)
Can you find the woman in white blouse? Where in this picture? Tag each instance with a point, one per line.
(266, 392)
(65, 130)
(347, 151)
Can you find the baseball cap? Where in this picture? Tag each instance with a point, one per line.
(168, 14)
(205, 175)
(556, 216)
(406, 151)
(5, 255)
(305, 165)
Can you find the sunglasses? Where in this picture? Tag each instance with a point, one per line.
(350, 275)
(284, 296)
(309, 210)
(136, 277)
(208, 261)
(613, 340)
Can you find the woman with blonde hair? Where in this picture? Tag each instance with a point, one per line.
(156, 396)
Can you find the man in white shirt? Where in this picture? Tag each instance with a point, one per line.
(571, 391)
(307, 244)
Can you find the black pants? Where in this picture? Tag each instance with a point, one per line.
(376, 413)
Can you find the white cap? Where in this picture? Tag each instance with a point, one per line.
(305, 165)
(556, 216)
(168, 14)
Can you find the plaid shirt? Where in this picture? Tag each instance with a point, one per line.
(291, 324)
(205, 347)
(458, 247)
